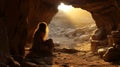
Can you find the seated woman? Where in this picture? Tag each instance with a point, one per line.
(42, 46)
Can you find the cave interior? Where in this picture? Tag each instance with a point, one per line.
(20, 18)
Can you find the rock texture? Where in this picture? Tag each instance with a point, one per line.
(106, 13)
(19, 17)
(40, 11)
(15, 13)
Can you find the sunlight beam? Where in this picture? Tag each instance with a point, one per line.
(64, 7)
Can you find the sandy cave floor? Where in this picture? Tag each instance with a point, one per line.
(79, 59)
(73, 58)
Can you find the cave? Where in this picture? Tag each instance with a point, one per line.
(71, 26)
(19, 19)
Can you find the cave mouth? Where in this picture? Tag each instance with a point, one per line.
(72, 28)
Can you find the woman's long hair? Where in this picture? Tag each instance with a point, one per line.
(42, 31)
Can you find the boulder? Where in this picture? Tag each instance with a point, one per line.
(112, 54)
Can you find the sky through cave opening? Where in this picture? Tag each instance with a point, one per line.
(72, 28)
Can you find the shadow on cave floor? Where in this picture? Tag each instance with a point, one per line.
(72, 58)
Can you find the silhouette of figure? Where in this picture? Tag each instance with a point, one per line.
(42, 46)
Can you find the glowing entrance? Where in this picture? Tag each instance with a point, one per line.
(72, 27)
(64, 7)
(76, 16)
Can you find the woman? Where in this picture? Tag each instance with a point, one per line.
(42, 46)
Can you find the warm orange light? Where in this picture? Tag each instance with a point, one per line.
(76, 16)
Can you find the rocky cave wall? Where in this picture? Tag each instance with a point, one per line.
(40, 11)
(19, 18)
(13, 27)
(106, 13)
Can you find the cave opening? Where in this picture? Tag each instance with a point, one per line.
(72, 28)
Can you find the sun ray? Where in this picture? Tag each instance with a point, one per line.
(64, 7)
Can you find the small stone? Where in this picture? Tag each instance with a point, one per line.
(101, 52)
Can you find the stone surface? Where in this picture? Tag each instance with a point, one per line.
(112, 55)
(19, 16)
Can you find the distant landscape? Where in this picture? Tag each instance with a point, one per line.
(71, 28)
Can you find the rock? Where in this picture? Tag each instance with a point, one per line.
(115, 33)
(116, 36)
(111, 55)
(99, 35)
(22, 16)
(110, 40)
(102, 51)
(94, 45)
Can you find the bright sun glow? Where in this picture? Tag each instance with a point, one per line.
(76, 16)
(64, 7)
